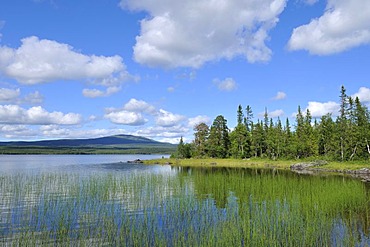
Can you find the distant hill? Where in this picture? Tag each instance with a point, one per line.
(109, 144)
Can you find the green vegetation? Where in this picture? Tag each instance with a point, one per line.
(345, 139)
(193, 207)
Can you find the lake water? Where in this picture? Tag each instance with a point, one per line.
(76, 163)
(97, 200)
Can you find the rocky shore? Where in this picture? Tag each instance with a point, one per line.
(314, 167)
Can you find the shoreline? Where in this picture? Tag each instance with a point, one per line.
(358, 170)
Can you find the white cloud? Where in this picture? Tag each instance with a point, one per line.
(37, 61)
(192, 122)
(273, 114)
(131, 113)
(14, 114)
(95, 93)
(227, 84)
(276, 113)
(363, 94)
(56, 131)
(279, 96)
(139, 106)
(9, 95)
(126, 118)
(33, 98)
(191, 33)
(15, 131)
(167, 134)
(318, 109)
(344, 25)
(168, 119)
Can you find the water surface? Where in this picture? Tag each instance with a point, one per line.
(75, 163)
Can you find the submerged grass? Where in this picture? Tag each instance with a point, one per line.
(190, 207)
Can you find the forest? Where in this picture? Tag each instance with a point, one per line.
(343, 138)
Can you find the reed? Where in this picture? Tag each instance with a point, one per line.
(191, 207)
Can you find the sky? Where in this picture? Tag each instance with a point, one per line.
(156, 68)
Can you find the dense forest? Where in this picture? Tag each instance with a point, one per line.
(344, 138)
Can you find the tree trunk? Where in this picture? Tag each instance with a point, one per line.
(341, 148)
(367, 145)
(354, 152)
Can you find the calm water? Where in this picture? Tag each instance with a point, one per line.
(103, 200)
(10, 164)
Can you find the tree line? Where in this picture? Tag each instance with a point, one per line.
(345, 138)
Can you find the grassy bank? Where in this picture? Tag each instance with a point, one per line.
(259, 163)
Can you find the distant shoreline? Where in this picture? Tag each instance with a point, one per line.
(359, 169)
(6, 150)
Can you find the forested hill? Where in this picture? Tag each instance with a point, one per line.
(109, 144)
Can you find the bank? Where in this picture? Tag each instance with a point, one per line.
(358, 169)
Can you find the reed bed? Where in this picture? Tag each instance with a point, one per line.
(194, 207)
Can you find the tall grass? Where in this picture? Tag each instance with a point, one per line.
(190, 208)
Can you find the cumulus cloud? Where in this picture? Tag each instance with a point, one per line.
(8, 95)
(166, 134)
(272, 114)
(41, 60)
(126, 118)
(363, 94)
(131, 113)
(344, 25)
(95, 93)
(168, 119)
(318, 109)
(14, 114)
(192, 122)
(56, 131)
(227, 84)
(191, 33)
(15, 131)
(279, 96)
(139, 106)
(33, 98)
(276, 113)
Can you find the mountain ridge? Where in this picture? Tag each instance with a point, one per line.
(115, 144)
(98, 141)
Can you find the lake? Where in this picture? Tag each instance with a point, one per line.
(102, 200)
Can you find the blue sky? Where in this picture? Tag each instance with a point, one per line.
(90, 68)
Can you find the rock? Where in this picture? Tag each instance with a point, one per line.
(137, 161)
(304, 166)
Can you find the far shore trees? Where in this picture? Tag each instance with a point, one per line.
(345, 138)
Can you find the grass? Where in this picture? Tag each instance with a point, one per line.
(188, 207)
(332, 166)
(235, 163)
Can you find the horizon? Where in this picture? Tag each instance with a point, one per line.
(92, 69)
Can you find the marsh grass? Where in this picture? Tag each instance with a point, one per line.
(193, 207)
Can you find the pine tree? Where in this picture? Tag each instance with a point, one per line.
(248, 120)
(343, 123)
(240, 115)
(200, 141)
(218, 141)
